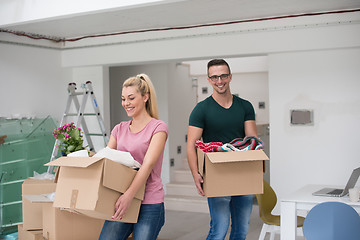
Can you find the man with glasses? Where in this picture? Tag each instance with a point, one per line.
(222, 117)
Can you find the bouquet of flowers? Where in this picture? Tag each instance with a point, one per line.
(70, 138)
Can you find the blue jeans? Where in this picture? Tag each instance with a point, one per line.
(238, 208)
(150, 221)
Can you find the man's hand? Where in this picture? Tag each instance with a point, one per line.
(198, 183)
(194, 133)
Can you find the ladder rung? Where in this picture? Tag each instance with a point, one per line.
(96, 134)
(84, 114)
(70, 114)
(76, 93)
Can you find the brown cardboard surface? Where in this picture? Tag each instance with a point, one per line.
(37, 198)
(129, 216)
(93, 185)
(232, 173)
(29, 234)
(78, 187)
(201, 161)
(237, 156)
(63, 225)
(74, 161)
(32, 212)
(111, 169)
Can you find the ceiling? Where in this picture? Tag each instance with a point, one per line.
(169, 14)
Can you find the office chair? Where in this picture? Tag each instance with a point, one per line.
(332, 221)
(267, 202)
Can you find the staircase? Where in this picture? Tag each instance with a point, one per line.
(182, 195)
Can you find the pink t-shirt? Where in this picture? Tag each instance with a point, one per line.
(137, 144)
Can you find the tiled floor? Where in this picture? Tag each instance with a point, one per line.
(195, 226)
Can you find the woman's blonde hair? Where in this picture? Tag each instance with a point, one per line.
(145, 86)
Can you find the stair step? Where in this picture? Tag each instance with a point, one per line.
(183, 175)
(181, 189)
(186, 203)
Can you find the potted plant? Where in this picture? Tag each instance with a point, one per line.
(70, 137)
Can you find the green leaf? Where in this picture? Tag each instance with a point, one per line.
(60, 137)
(70, 148)
(75, 134)
(80, 147)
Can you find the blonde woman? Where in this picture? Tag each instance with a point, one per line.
(144, 136)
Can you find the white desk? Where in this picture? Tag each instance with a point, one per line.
(303, 200)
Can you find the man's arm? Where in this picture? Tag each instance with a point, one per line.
(194, 133)
(250, 128)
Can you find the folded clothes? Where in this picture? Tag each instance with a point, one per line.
(227, 147)
(248, 143)
(207, 147)
(238, 144)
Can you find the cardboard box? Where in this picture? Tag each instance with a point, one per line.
(231, 173)
(64, 225)
(29, 234)
(32, 213)
(91, 186)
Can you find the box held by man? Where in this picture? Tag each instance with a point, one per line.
(232, 173)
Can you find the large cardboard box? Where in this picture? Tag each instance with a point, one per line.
(64, 225)
(91, 186)
(29, 234)
(32, 212)
(231, 173)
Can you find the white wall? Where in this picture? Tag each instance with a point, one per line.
(28, 77)
(181, 102)
(249, 64)
(248, 39)
(33, 84)
(328, 83)
(253, 87)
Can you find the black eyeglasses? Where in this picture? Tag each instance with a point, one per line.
(222, 77)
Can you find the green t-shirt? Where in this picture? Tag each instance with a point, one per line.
(220, 124)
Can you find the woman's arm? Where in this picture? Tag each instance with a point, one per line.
(112, 142)
(156, 147)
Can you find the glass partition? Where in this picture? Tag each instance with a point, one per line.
(27, 147)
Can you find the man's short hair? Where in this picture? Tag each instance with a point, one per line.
(217, 62)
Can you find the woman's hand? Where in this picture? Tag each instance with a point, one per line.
(121, 206)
